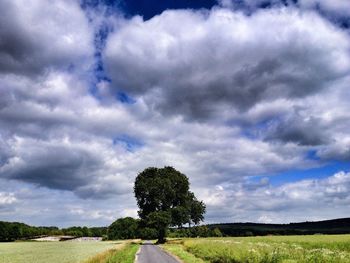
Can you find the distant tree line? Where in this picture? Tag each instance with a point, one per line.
(197, 231)
(85, 231)
(130, 228)
(10, 231)
(334, 226)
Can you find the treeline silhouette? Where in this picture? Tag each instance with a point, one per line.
(131, 228)
(334, 226)
(10, 231)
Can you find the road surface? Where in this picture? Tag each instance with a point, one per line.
(150, 253)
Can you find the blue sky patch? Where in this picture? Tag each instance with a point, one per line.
(299, 174)
(129, 143)
(124, 98)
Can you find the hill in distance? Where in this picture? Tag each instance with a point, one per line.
(334, 226)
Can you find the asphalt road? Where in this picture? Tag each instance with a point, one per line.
(153, 254)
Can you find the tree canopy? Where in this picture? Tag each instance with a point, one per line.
(164, 199)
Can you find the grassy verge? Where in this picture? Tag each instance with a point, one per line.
(125, 254)
(179, 251)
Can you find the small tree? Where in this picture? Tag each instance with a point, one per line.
(216, 232)
(164, 199)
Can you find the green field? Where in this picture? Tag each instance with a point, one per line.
(269, 249)
(125, 254)
(53, 252)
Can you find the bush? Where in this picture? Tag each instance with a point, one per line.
(123, 228)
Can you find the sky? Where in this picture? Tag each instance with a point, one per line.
(249, 99)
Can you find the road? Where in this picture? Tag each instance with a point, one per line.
(153, 254)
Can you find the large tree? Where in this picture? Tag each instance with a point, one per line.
(164, 200)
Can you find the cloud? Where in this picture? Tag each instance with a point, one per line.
(63, 138)
(55, 134)
(55, 164)
(220, 60)
(334, 7)
(66, 140)
(340, 150)
(223, 98)
(251, 5)
(284, 203)
(307, 132)
(36, 36)
(44, 207)
(337, 8)
(92, 214)
(7, 198)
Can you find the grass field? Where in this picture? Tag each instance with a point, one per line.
(126, 254)
(270, 249)
(53, 252)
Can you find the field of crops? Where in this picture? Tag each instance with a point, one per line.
(270, 249)
(53, 252)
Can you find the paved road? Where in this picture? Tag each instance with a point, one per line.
(153, 254)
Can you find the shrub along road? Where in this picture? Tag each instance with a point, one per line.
(150, 253)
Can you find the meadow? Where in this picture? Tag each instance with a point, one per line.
(60, 252)
(125, 254)
(269, 249)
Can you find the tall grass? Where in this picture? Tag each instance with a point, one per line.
(273, 249)
(181, 253)
(126, 254)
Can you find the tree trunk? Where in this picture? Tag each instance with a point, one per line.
(161, 236)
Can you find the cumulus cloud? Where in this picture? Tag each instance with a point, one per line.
(307, 132)
(7, 198)
(43, 206)
(217, 94)
(49, 141)
(63, 138)
(225, 59)
(334, 7)
(283, 203)
(337, 8)
(252, 5)
(56, 164)
(71, 142)
(340, 150)
(36, 36)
